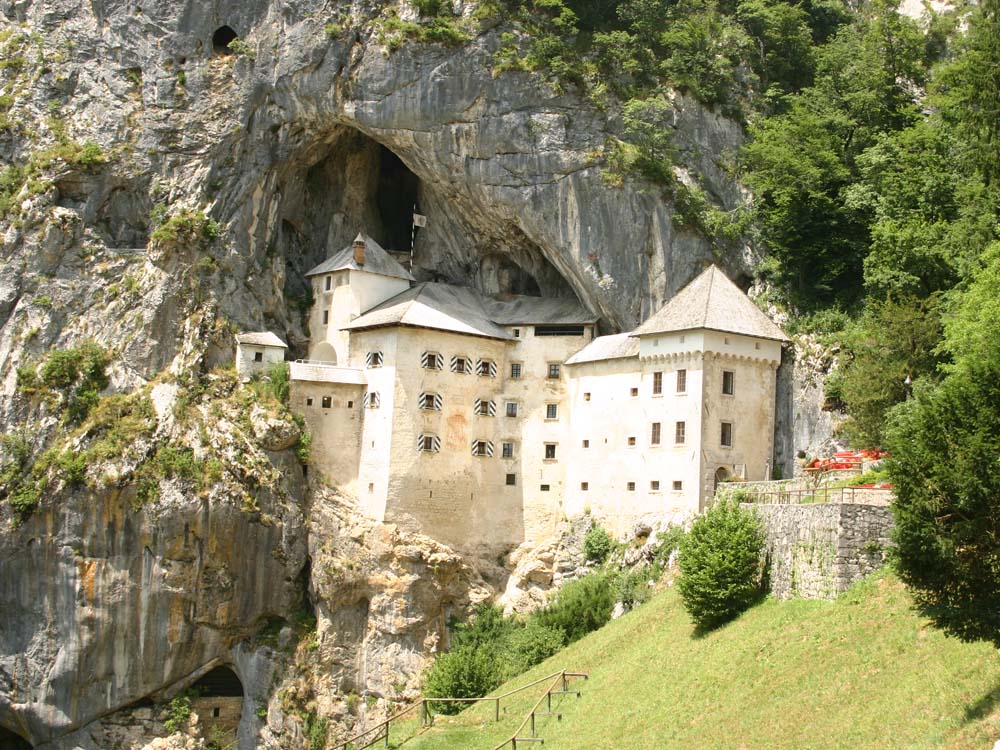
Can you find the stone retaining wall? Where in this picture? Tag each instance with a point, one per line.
(818, 551)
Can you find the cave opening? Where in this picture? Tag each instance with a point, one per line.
(396, 200)
(221, 39)
(12, 741)
(221, 682)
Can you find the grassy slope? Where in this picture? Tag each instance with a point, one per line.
(862, 672)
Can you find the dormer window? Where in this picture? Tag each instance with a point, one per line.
(373, 359)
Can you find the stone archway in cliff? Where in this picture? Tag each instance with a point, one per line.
(221, 39)
(219, 705)
(12, 741)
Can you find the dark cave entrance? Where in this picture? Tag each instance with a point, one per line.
(396, 200)
(221, 39)
(221, 682)
(11, 741)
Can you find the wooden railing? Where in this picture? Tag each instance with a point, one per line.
(381, 730)
(518, 735)
(863, 495)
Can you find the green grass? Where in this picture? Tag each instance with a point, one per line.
(863, 671)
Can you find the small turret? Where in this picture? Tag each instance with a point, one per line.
(359, 249)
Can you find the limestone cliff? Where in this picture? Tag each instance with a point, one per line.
(162, 189)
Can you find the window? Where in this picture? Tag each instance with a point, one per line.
(309, 401)
(550, 451)
(552, 411)
(371, 486)
(727, 435)
(431, 361)
(486, 408)
(586, 443)
(654, 486)
(682, 381)
(216, 712)
(517, 333)
(630, 486)
(486, 368)
(431, 401)
(511, 480)
(327, 402)
(633, 392)
(726, 341)
(329, 283)
(728, 382)
(654, 434)
(558, 330)
(657, 383)
(428, 443)
(482, 448)
(371, 400)
(258, 356)
(679, 433)
(511, 408)
(631, 442)
(584, 486)
(350, 404)
(756, 345)
(507, 450)
(460, 364)
(678, 485)
(586, 396)
(515, 371)
(544, 487)
(554, 370)
(326, 317)
(682, 339)
(373, 359)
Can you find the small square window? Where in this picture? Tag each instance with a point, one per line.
(630, 486)
(679, 433)
(682, 381)
(216, 712)
(511, 480)
(682, 339)
(550, 451)
(584, 486)
(373, 359)
(654, 486)
(517, 333)
(631, 441)
(309, 401)
(654, 434)
(544, 488)
(554, 371)
(430, 361)
(460, 364)
(507, 450)
(727, 435)
(327, 402)
(756, 345)
(486, 368)
(552, 411)
(511, 409)
(586, 396)
(258, 356)
(482, 448)
(371, 486)
(728, 382)
(678, 485)
(326, 317)
(350, 404)
(515, 371)
(657, 383)
(586, 443)
(633, 392)
(726, 341)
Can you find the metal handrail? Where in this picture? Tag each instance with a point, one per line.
(425, 715)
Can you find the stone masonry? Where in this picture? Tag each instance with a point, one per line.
(818, 551)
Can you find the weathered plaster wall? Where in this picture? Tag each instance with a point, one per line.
(246, 365)
(817, 551)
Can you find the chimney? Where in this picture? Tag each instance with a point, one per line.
(359, 249)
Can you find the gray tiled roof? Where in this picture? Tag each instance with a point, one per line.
(464, 310)
(712, 301)
(429, 305)
(617, 346)
(377, 260)
(260, 338)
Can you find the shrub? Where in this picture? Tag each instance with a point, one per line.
(178, 712)
(580, 607)
(466, 672)
(721, 565)
(597, 544)
(527, 646)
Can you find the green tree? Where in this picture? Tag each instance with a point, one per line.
(721, 564)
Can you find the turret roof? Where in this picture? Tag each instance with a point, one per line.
(377, 261)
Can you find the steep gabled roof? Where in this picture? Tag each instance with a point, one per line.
(430, 305)
(712, 301)
(377, 261)
(616, 346)
(260, 338)
(515, 309)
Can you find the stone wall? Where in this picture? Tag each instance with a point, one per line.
(818, 551)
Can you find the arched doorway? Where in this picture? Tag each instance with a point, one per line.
(219, 704)
(721, 475)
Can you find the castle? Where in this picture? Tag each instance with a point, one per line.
(483, 421)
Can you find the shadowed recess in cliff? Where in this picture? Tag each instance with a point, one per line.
(219, 682)
(11, 741)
